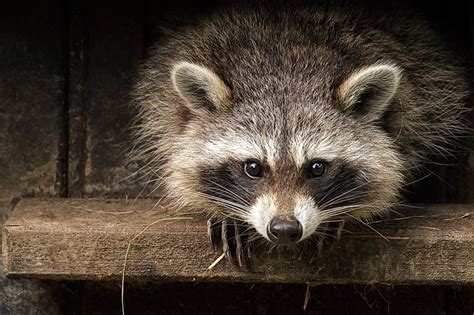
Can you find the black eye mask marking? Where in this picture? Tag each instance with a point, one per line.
(228, 182)
(341, 185)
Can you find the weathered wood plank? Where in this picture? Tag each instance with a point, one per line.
(114, 50)
(77, 97)
(31, 99)
(32, 127)
(87, 239)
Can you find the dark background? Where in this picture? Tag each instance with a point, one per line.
(65, 73)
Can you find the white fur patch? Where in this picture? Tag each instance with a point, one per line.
(307, 214)
(222, 149)
(271, 153)
(382, 78)
(262, 213)
(185, 76)
(304, 148)
(240, 148)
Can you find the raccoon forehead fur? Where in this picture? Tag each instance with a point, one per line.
(372, 96)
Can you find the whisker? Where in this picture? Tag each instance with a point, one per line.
(343, 194)
(335, 186)
(370, 227)
(241, 198)
(340, 200)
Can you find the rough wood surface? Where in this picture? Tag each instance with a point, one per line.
(31, 99)
(80, 54)
(76, 97)
(114, 50)
(87, 239)
(32, 142)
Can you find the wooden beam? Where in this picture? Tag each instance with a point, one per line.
(87, 239)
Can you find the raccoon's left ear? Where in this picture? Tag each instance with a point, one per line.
(201, 89)
(369, 91)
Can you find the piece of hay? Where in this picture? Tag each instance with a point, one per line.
(128, 250)
(216, 261)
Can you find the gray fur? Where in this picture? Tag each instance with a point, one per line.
(283, 70)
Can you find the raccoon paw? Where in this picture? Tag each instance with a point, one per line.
(227, 234)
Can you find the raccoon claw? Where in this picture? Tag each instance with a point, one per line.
(227, 235)
(239, 248)
(214, 234)
(232, 242)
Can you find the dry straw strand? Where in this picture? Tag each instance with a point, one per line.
(128, 250)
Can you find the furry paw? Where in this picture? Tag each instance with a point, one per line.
(228, 235)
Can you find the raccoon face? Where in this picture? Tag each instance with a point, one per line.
(286, 167)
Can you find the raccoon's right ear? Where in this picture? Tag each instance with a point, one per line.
(201, 89)
(369, 91)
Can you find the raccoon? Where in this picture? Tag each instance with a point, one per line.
(290, 120)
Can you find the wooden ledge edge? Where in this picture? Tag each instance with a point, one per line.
(86, 239)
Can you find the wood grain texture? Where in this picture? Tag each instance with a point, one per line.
(32, 124)
(87, 239)
(31, 99)
(114, 50)
(77, 100)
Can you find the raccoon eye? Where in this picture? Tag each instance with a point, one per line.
(253, 169)
(316, 168)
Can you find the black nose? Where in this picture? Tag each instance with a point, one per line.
(284, 232)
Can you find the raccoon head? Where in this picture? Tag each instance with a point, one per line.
(287, 164)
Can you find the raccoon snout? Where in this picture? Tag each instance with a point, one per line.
(283, 231)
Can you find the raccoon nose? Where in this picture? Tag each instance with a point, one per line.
(283, 231)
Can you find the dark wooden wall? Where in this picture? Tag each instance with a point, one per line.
(65, 72)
